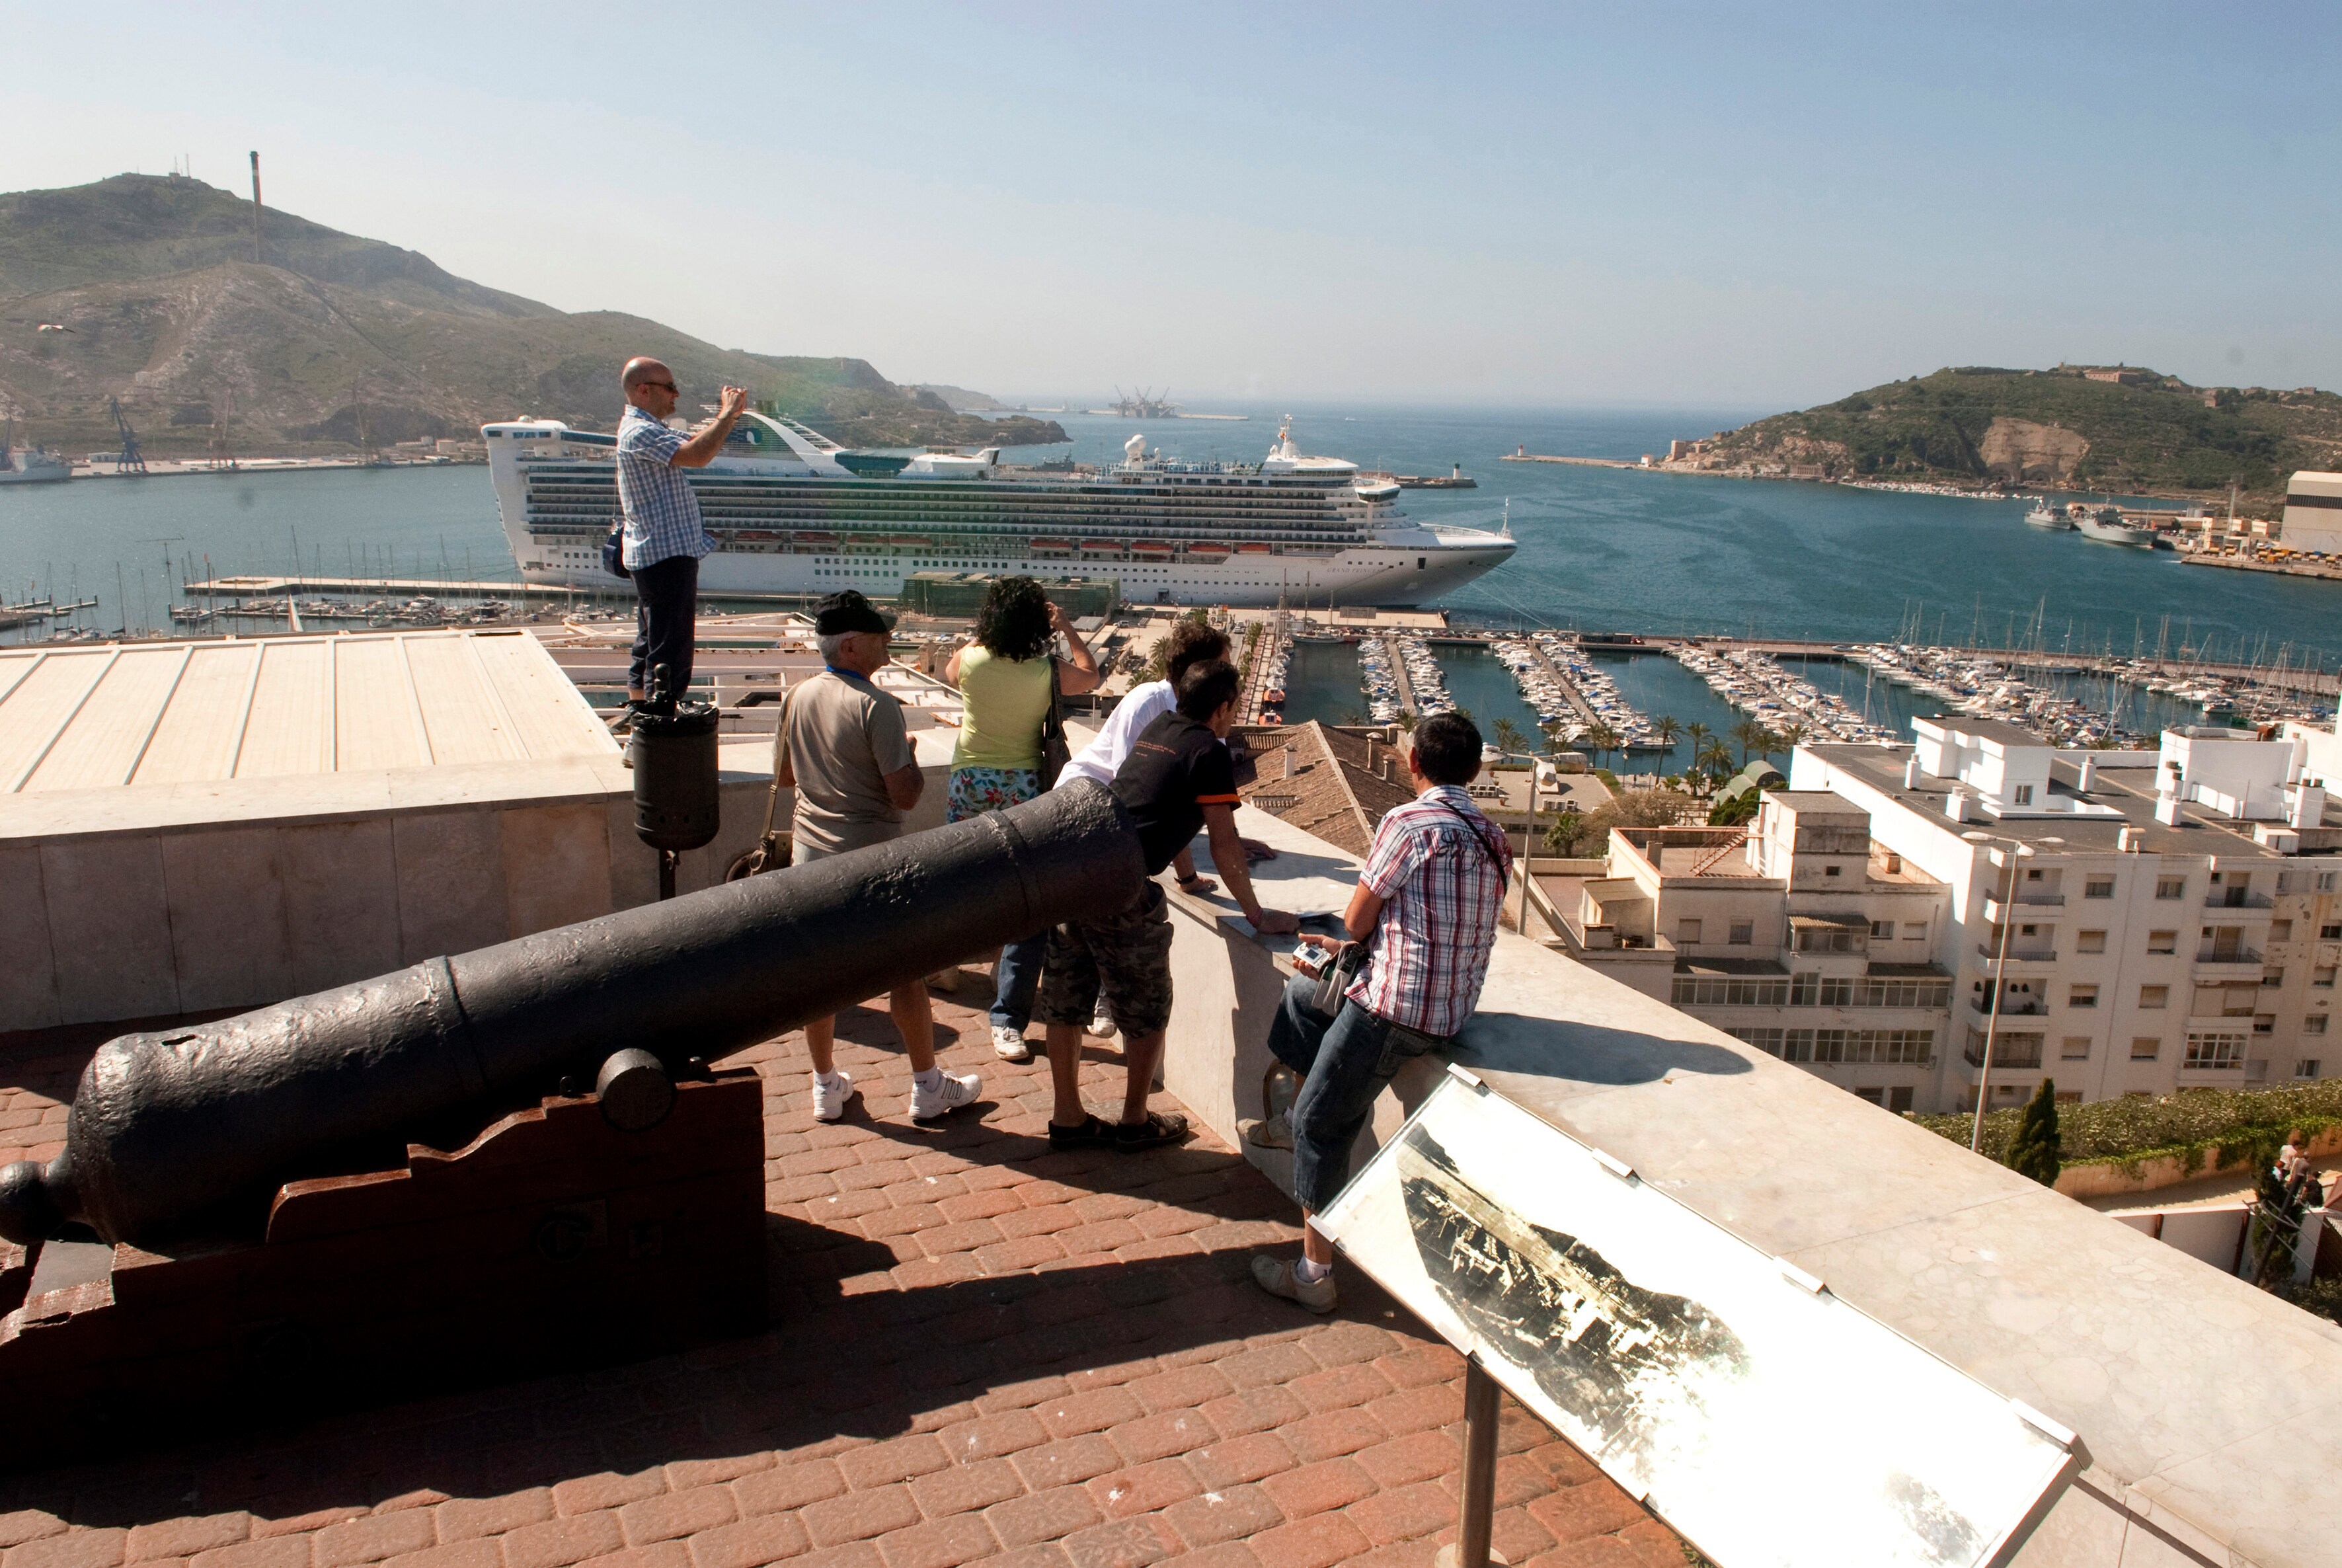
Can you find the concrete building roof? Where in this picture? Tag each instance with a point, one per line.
(2128, 792)
(1999, 731)
(84, 717)
(1331, 789)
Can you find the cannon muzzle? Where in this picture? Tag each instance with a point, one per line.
(169, 1128)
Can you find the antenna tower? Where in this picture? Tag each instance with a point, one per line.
(255, 204)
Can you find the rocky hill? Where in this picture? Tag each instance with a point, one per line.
(2114, 428)
(330, 337)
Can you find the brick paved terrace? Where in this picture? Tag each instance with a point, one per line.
(980, 1351)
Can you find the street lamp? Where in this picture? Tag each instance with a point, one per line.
(1999, 964)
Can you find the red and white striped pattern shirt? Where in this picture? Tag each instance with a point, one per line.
(1440, 869)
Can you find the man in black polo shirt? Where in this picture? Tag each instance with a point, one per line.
(1178, 778)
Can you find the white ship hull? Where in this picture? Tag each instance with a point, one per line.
(792, 519)
(35, 467)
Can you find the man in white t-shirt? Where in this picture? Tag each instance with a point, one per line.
(1190, 643)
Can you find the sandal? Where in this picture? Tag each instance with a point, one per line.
(1093, 1133)
(1160, 1127)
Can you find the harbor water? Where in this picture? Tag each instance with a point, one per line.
(1600, 548)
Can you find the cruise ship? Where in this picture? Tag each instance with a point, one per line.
(795, 513)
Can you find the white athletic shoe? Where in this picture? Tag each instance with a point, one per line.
(830, 1095)
(1009, 1045)
(1102, 1020)
(953, 1091)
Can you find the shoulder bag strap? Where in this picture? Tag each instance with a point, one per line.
(780, 750)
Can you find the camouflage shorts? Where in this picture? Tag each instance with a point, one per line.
(1126, 954)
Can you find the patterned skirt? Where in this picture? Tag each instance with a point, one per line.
(975, 791)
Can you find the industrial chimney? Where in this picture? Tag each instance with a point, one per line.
(255, 205)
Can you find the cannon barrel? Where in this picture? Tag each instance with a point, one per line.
(167, 1127)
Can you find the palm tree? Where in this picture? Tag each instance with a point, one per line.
(1665, 729)
(1603, 739)
(1716, 757)
(1752, 736)
(1790, 735)
(1695, 735)
(1509, 738)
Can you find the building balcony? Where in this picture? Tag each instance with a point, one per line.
(2037, 1007)
(2228, 963)
(2018, 953)
(1996, 911)
(2236, 898)
(2004, 1056)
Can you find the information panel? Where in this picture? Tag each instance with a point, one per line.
(1764, 1420)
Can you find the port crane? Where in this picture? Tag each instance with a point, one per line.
(130, 460)
(1144, 405)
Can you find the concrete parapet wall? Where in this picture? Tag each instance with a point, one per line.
(2105, 1179)
(2211, 1411)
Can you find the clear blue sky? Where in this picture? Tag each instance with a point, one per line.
(1729, 206)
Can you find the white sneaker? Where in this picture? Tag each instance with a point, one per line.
(1102, 1020)
(1009, 1045)
(952, 1091)
(830, 1095)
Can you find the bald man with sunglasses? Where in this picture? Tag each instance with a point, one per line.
(665, 538)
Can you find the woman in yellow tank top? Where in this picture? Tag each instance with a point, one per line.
(1004, 685)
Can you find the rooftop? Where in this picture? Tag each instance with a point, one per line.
(978, 1349)
(2128, 793)
(99, 716)
(1998, 730)
(1330, 790)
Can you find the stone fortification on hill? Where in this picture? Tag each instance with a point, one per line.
(151, 294)
(2102, 427)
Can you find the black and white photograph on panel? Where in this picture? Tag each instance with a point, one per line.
(1764, 1420)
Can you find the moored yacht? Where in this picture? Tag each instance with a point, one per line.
(2045, 515)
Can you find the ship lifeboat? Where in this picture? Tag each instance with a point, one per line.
(1101, 546)
(829, 540)
(1053, 546)
(1274, 696)
(1151, 550)
(1252, 550)
(1271, 716)
(756, 534)
(912, 542)
(1206, 550)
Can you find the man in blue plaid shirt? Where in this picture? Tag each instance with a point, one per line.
(665, 540)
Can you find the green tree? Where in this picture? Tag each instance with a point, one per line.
(1695, 734)
(1716, 757)
(1789, 735)
(2035, 1151)
(1509, 738)
(1562, 834)
(1602, 738)
(1665, 729)
(1752, 737)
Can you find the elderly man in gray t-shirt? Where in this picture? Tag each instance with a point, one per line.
(845, 752)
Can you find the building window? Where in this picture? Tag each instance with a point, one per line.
(2170, 887)
(1730, 991)
(2090, 942)
(1829, 871)
(2155, 996)
(2329, 934)
(1686, 931)
(1836, 991)
(2272, 976)
(1898, 1098)
(2326, 880)
(1766, 1039)
(1744, 932)
(2081, 996)
(2075, 1048)
(2210, 1052)
(2025, 794)
(2307, 1067)
(2163, 942)
(1876, 992)
(2264, 1023)
(2313, 1024)
(2322, 979)
(1876, 1096)
(2145, 1049)
(1915, 931)
(1882, 931)
(2098, 887)
(2281, 931)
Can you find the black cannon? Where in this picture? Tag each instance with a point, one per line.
(170, 1130)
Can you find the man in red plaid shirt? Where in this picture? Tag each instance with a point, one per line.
(1426, 908)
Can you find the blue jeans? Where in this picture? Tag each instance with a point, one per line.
(1020, 978)
(1344, 1062)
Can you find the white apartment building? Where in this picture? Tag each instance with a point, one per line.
(2160, 920)
(1797, 935)
(2157, 920)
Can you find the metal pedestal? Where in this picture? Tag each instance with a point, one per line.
(1479, 1499)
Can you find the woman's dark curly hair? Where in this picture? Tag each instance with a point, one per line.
(1015, 621)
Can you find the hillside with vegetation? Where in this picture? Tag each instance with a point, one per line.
(2144, 433)
(149, 293)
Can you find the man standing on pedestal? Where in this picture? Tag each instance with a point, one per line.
(665, 540)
